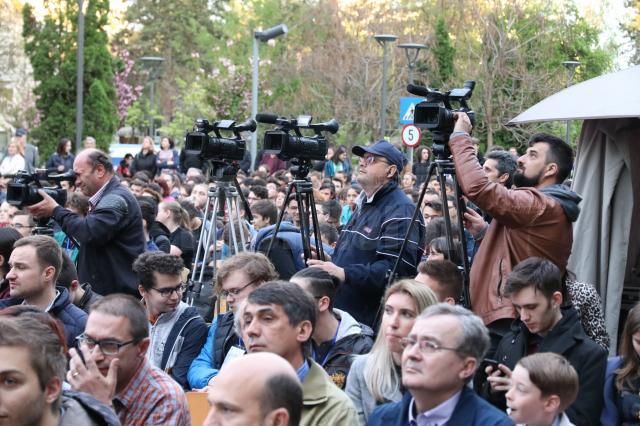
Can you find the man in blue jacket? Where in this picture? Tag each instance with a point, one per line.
(35, 265)
(370, 242)
(441, 354)
(111, 235)
(177, 331)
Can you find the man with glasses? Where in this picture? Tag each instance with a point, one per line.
(237, 277)
(23, 222)
(114, 367)
(177, 331)
(441, 354)
(369, 244)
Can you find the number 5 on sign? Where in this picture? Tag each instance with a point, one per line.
(411, 135)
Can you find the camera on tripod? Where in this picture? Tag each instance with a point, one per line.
(288, 142)
(218, 148)
(436, 114)
(23, 190)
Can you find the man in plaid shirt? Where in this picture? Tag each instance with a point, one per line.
(115, 370)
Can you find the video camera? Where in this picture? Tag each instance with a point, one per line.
(23, 190)
(436, 113)
(218, 148)
(286, 145)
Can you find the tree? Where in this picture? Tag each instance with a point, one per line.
(52, 50)
(444, 52)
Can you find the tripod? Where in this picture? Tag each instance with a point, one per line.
(225, 194)
(444, 167)
(306, 204)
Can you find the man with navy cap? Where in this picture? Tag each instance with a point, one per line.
(370, 243)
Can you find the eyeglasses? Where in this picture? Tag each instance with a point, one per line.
(372, 159)
(425, 346)
(235, 291)
(107, 346)
(167, 292)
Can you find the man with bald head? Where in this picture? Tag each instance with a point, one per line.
(110, 235)
(270, 395)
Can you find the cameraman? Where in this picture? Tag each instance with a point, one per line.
(532, 220)
(110, 235)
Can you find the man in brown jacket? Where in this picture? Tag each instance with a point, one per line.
(534, 219)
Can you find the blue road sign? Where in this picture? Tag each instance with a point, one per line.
(407, 105)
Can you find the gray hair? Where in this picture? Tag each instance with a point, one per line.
(474, 340)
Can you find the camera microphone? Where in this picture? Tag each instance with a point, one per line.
(266, 118)
(417, 90)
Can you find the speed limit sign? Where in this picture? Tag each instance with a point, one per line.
(411, 135)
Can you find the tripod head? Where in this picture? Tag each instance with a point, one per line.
(300, 168)
(222, 171)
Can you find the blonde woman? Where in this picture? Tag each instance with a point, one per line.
(375, 378)
(176, 220)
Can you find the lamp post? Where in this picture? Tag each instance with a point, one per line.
(411, 51)
(153, 63)
(571, 69)
(259, 36)
(80, 76)
(382, 40)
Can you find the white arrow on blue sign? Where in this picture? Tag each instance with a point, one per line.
(407, 106)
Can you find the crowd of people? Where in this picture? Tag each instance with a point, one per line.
(95, 328)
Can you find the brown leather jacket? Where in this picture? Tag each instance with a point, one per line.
(525, 223)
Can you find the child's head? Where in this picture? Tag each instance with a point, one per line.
(542, 386)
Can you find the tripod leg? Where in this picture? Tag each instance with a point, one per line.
(243, 240)
(461, 207)
(211, 234)
(316, 226)
(231, 225)
(304, 224)
(290, 187)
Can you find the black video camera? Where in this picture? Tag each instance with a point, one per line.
(286, 145)
(218, 148)
(23, 190)
(436, 113)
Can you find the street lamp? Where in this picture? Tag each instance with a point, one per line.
(259, 36)
(411, 51)
(80, 76)
(571, 69)
(382, 40)
(153, 63)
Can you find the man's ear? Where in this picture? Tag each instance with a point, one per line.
(323, 303)
(74, 286)
(551, 403)
(277, 417)
(503, 178)
(556, 298)
(141, 290)
(52, 390)
(143, 345)
(305, 329)
(49, 272)
(468, 368)
(550, 170)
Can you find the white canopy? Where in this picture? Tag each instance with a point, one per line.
(615, 95)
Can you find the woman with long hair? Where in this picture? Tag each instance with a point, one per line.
(420, 167)
(13, 161)
(375, 378)
(622, 378)
(8, 236)
(340, 162)
(167, 156)
(62, 160)
(145, 160)
(176, 220)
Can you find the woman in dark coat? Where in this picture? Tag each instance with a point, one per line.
(62, 160)
(146, 159)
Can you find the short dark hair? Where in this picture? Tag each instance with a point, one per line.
(559, 152)
(68, 272)
(321, 283)
(123, 305)
(440, 245)
(156, 261)
(505, 163)
(328, 233)
(30, 220)
(282, 391)
(8, 237)
(541, 274)
(297, 304)
(260, 191)
(48, 251)
(330, 186)
(446, 273)
(332, 208)
(148, 208)
(267, 209)
(97, 157)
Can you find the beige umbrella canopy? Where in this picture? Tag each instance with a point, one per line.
(615, 95)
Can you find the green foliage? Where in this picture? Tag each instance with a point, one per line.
(51, 46)
(444, 52)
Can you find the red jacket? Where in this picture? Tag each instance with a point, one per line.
(526, 222)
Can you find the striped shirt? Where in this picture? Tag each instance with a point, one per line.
(95, 198)
(152, 398)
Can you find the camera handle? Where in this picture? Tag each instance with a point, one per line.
(443, 167)
(306, 205)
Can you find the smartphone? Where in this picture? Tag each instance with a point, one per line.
(81, 355)
(491, 362)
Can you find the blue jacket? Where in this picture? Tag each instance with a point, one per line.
(72, 318)
(288, 257)
(610, 412)
(471, 410)
(110, 238)
(57, 160)
(368, 248)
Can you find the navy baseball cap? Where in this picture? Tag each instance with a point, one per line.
(383, 149)
(20, 132)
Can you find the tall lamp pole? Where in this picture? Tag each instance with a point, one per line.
(411, 51)
(571, 70)
(153, 63)
(382, 40)
(80, 76)
(259, 36)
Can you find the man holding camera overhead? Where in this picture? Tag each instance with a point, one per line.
(110, 236)
(532, 220)
(370, 242)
